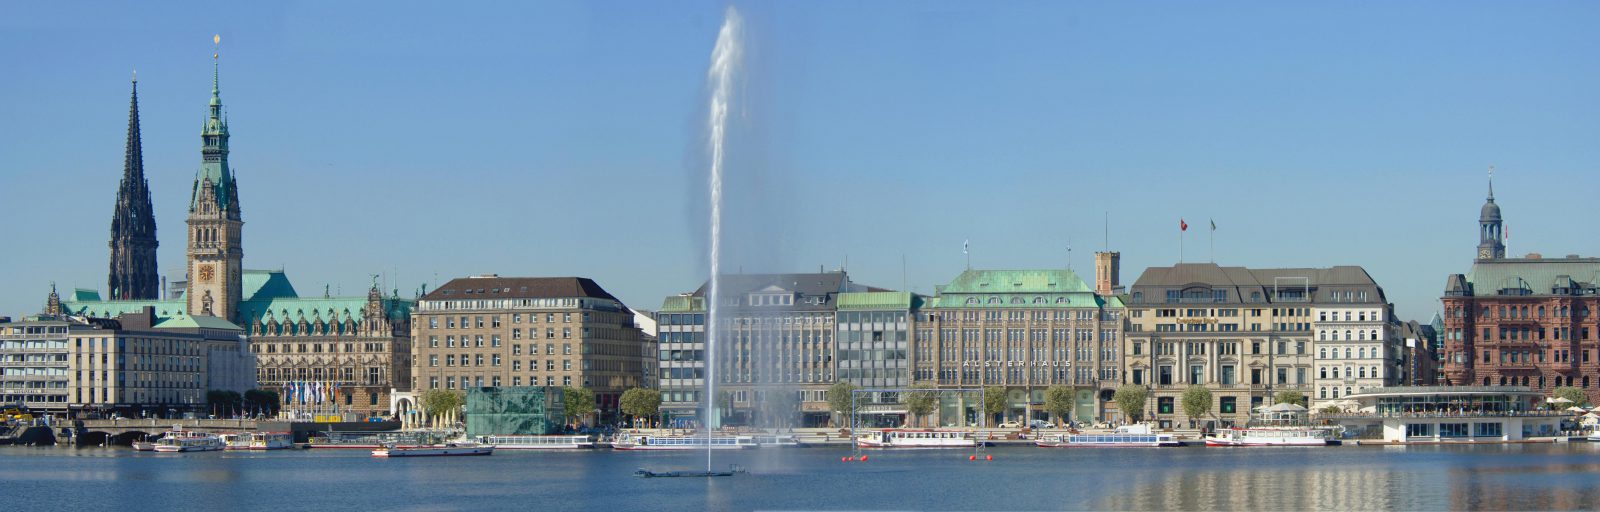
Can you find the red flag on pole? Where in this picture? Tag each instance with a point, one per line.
(1182, 226)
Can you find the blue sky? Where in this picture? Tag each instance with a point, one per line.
(428, 141)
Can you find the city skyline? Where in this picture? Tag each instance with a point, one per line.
(338, 135)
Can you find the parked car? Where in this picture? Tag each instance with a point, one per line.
(1040, 424)
(1010, 424)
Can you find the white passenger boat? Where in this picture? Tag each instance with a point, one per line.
(444, 450)
(144, 446)
(1283, 424)
(776, 441)
(537, 442)
(258, 441)
(901, 438)
(1271, 436)
(177, 441)
(1139, 435)
(649, 442)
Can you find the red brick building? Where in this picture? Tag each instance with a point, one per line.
(1522, 321)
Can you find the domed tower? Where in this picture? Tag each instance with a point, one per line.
(1491, 244)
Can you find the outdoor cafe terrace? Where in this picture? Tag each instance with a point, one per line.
(1446, 402)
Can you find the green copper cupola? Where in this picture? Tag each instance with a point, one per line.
(214, 181)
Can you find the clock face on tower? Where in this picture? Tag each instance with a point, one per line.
(1483, 254)
(208, 272)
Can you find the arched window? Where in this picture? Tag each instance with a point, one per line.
(1361, 352)
(1347, 353)
(1322, 392)
(1336, 392)
(1363, 372)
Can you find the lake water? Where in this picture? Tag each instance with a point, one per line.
(1497, 477)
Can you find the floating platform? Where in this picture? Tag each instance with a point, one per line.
(645, 473)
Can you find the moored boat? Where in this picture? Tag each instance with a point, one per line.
(370, 440)
(537, 442)
(650, 442)
(144, 446)
(904, 438)
(179, 441)
(1270, 436)
(1283, 424)
(444, 450)
(1127, 436)
(776, 441)
(259, 441)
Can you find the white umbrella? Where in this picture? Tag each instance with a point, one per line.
(1286, 407)
(1577, 409)
(1558, 400)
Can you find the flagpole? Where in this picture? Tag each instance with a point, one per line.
(1213, 241)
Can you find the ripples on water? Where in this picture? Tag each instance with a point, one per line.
(1492, 477)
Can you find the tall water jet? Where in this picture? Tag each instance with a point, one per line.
(724, 59)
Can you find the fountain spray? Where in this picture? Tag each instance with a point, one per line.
(724, 58)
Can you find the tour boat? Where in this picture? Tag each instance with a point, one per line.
(370, 440)
(445, 450)
(899, 438)
(776, 441)
(648, 442)
(144, 446)
(1270, 436)
(1127, 436)
(259, 441)
(537, 442)
(189, 441)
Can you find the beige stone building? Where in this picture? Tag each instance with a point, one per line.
(1025, 331)
(491, 331)
(1244, 334)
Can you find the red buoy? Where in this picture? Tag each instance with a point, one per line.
(972, 457)
(988, 457)
(863, 458)
(844, 459)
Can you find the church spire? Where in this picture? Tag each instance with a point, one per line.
(133, 225)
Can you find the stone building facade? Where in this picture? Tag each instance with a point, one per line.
(491, 331)
(780, 346)
(359, 345)
(1244, 334)
(1024, 330)
(1529, 321)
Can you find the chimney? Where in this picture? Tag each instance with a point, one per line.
(1107, 272)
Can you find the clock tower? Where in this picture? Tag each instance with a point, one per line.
(1491, 241)
(214, 251)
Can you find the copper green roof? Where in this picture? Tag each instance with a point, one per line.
(267, 295)
(1017, 281)
(683, 304)
(186, 321)
(1044, 288)
(260, 284)
(84, 294)
(878, 300)
(1538, 276)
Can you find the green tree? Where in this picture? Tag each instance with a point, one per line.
(1060, 402)
(839, 399)
(1196, 402)
(439, 402)
(263, 401)
(640, 402)
(1291, 397)
(1576, 395)
(577, 403)
(221, 401)
(994, 400)
(920, 401)
(1130, 400)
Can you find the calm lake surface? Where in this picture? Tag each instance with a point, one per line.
(1494, 477)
